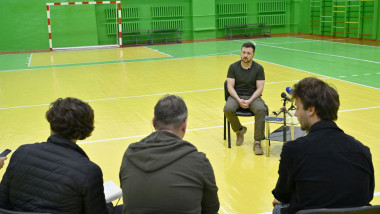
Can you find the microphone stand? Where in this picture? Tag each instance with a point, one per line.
(292, 107)
(284, 111)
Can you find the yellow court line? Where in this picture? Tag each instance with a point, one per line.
(99, 55)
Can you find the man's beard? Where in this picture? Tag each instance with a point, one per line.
(245, 60)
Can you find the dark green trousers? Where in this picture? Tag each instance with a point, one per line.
(257, 107)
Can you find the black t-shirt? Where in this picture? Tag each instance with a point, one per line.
(245, 79)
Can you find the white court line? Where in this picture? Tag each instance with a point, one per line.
(339, 56)
(123, 61)
(30, 59)
(24, 106)
(358, 109)
(202, 128)
(183, 92)
(138, 136)
(159, 52)
(311, 52)
(314, 73)
(115, 98)
(332, 41)
(327, 77)
(138, 96)
(279, 43)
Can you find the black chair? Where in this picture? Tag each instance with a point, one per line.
(4, 211)
(241, 112)
(352, 210)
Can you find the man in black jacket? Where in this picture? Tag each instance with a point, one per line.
(327, 168)
(56, 176)
(165, 174)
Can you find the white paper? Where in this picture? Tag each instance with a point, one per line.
(112, 191)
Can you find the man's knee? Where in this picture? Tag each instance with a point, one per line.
(259, 110)
(229, 109)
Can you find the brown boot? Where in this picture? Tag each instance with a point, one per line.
(257, 148)
(240, 136)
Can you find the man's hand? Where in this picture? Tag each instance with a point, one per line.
(2, 159)
(275, 201)
(243, 103)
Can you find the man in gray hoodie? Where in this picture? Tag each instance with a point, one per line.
(165, 174)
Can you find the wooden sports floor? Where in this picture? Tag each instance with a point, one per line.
(123, 85)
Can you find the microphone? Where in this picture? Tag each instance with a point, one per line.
(283, 95)
(289, 90)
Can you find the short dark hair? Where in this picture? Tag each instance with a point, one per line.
(314, 92)
(71, 118)
(249, 45)
(170, 110)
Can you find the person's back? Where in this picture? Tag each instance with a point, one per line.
(165, 174)
(329, 169)
(53, 177)
(326, 168)
(56, 176)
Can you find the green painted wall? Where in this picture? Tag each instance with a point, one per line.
(73, 26)
(203, 19)
(23, 23)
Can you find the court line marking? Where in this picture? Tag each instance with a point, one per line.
(319, 74)
(182, 92)
(326, 77)
(30, 59)
(329, 40)
(159, 52)
(315, 73)
(14, 107)
(200, 56)
(137, 96)
(126, 61)
(279, 43)
(312, 52)
(226, 53)
(332, 41)
(202, 128)
(150, 59)
(339, 56)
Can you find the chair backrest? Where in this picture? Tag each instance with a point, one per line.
(352, 210)
(226, 93)
(4, 211)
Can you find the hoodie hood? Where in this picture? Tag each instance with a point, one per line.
(158, 150)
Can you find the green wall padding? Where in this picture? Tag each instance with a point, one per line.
(73, 25)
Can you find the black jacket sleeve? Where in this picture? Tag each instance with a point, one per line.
(94, 199)
(282, 191)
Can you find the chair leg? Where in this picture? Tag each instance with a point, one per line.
(229, 134)
(225, 127)
(267, 140)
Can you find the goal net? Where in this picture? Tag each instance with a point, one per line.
(75, 25)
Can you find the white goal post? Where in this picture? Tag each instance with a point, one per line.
(48, 5)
